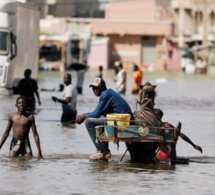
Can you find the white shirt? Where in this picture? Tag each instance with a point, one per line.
(119, 83)
(70, 91)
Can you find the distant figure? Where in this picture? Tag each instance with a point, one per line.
(116, 63)
(81, 69)
(201, 65)
(184, 62)
(27, 87)
(68, 100)
(190, 67)
(21, 122)
(120, 79)
(138, 76)
(100, 75)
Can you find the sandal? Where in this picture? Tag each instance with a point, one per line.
(99, 156)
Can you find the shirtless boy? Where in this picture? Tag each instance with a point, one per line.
(21, 122)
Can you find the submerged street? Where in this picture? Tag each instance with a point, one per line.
(66, 169)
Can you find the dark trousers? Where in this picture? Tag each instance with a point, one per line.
(79, 89)
(69, 116)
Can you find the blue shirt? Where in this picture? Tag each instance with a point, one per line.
(110, 102)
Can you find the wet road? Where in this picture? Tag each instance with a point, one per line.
(66, 169)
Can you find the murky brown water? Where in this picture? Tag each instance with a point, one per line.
(66, 169)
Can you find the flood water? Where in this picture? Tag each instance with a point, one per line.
(66, 170)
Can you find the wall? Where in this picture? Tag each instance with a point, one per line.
(99, 52)
(138, 9)
(126, 49)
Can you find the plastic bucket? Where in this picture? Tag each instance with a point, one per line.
(121, 119)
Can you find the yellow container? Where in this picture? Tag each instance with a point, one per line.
(121, 119)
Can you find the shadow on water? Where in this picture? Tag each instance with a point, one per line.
(202, 160)
(113, 165)
(116, 166)
(138, 167)
(19, 163)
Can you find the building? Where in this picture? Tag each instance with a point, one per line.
(137, 32)
(194, 32)
(69, 8)
(131, 32)
(152, 33)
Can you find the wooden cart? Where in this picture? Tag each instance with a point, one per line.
(114, 133)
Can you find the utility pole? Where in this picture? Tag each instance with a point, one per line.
(181, 24)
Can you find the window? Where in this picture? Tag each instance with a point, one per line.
(212, 21)
(50, 52)
(4, 43)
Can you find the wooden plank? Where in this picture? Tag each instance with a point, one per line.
(104, 138)
(137, 133)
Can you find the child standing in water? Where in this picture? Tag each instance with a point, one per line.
(21, 122)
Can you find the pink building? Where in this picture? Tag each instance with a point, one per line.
(137, 31)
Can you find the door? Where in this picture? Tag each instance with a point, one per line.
(148, 50)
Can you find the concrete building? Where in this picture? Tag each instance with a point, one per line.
(137, 32)
(69, 8)
(152, 33)
(194, 22)
(157, 33)
(131, 32)
(194, 29)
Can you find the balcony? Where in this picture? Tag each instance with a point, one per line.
(175, 4)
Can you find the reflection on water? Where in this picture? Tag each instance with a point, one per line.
(66, 169)
(21, 164)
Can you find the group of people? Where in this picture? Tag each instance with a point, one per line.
(22, 120)
(81, 69)
(110, 101)
(121, 78)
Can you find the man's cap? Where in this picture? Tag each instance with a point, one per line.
(98, 82)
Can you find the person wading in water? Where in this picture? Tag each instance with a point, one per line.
(21, 122)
